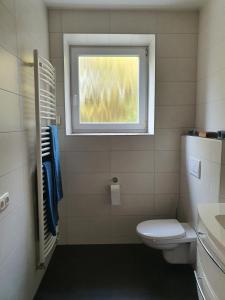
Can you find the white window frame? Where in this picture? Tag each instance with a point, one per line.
(140, 126)
(119, 43)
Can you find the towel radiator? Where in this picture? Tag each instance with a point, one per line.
(45, 106)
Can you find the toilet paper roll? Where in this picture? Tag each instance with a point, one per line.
(115, 194)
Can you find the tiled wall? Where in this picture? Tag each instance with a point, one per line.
(222, 175)
(23, 27)
(147, 167)
(211, 67)
(194, 191)
(210, 103)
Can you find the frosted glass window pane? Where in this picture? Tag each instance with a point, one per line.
(109, 89)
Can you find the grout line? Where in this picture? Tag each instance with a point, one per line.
(12, 170)
(175, 105)
(88, 173)
(13, 131)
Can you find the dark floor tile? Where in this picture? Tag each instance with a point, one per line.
(114, 272)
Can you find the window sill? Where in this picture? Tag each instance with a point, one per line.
(111, 134)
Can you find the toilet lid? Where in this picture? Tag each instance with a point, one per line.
(161, 229)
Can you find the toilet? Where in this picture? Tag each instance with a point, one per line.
(176, 240)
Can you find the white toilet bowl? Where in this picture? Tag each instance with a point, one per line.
(176, 240)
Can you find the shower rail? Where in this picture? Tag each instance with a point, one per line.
(45, 109)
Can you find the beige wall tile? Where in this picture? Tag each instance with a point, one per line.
(7, 30)
(88, 205)
(78, 230)
(132, 161)
(89, 230)
(211, 67)
(59, 67)
(205, 116)
(13, 150)
(211, 88)
(63, 207)
(31, 25)
(166, 205)
(99, 229)
(54, 20)
(86, 183)
(10, 5)
(167, 161)
(222, 182)
(213, 55)
(15, 190)
(223, 153)
(168, 139)
(26, 80)
(63, 234)
(135, 183)
(176, 69)
(124, 227)
(8, 71)
(56, 45)
(132, 22)
(60, 94)
(135, 205)
(61, 113)
(10, 112)
(8, 224)
(84, 143)
(175, 93)
(17, 260)
(85, 21)
(28, 115)
(177, 22)
(175, 116)
(166, 183)
(132, 142)
(87, 162)
(177, 45)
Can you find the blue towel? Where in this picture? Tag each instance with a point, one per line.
(52, 210)
(55, 156)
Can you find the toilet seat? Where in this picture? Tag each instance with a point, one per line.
(161, 229)
(176, 240)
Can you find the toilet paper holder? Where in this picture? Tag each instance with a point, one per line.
(115, 180)
(115, 192)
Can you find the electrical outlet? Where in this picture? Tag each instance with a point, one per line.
(4, 201)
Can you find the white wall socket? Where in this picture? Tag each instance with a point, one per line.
(4, 201)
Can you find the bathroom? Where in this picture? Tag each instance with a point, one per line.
(142, 213)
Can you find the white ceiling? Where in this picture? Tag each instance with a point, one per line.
(127, 4)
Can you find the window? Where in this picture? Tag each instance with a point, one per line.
(109, 88)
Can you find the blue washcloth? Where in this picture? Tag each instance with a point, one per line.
(52, 210)
(56, 163)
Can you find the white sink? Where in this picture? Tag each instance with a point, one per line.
(213, 217)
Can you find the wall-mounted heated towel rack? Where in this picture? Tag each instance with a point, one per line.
(45, 105)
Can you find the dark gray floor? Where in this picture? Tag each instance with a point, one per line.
(114, 272)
